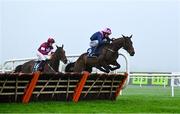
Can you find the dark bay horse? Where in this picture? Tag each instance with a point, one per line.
(108, 56)
(52, 65)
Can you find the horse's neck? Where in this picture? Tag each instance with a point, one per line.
(116, 45)
(54, 63)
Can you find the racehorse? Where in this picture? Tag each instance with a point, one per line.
(51, 65)
(108, 55)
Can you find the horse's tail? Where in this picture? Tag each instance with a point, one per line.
(18, 69)
(70, 67)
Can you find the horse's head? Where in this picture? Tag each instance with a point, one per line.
(60, 54)
(128, 45)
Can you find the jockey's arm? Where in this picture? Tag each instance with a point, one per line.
(100, 39)
(109, 40)
(54, 48)
(50, 55)
(52, 51)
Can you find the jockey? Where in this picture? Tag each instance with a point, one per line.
(44, 52)
(97, 39)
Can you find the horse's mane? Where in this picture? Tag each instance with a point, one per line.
(117, 39)
(114, 41)
(55, 54)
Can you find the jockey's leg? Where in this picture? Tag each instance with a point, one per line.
(92, 51)
(42, 58)
(41, 65)
(93, 45)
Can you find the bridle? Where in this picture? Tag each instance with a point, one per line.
(110, 50)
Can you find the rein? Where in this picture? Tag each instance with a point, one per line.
(110, 50)
(51, 67)
(52, 57)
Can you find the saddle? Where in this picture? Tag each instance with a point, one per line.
(95, 52)
(92, 53)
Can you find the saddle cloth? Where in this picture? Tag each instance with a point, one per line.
(36, 66)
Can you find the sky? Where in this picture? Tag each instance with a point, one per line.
(154, 24)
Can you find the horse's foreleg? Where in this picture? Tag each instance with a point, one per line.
(103, 69)
(116, 64)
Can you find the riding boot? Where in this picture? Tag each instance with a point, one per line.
(92, 53)
(41, 65)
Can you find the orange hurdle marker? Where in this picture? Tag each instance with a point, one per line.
(30, 88)
(80, 86)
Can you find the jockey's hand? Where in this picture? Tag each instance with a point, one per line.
(107, 42)
(52, 53)
(112, 39)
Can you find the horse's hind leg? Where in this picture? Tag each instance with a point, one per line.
(18, 69)
(89, 69)
(103, 69)
(70, 67)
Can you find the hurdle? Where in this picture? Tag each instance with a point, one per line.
(38, 86)
(27, 87)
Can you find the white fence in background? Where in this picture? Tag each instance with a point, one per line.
(174, 79)
(14, 62)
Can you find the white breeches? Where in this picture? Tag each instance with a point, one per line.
(42, 57)
(94, 43)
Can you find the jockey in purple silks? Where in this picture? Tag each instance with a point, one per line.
(44, 52)
(98, 39)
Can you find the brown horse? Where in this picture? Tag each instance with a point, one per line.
(108, 56)
(52, 65)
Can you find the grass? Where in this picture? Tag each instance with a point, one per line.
(133, 100)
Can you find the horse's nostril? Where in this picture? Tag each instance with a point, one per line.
(132, 53)
(66, 61)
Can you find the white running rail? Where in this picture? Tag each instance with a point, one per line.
(13, 62)
(171, 76)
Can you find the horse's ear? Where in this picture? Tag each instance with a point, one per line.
(57, 46)
(62, 45)
(123, 35)
(131, 36)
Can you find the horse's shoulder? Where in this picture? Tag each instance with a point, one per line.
(106, 46)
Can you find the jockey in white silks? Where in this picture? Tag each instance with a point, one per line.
(98, 39)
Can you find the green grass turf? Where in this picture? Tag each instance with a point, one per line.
(134, 100)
